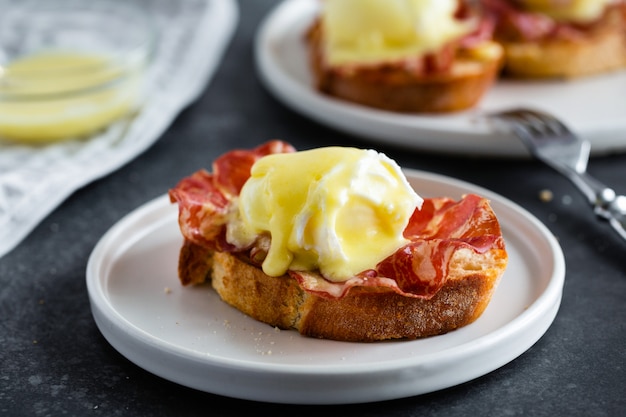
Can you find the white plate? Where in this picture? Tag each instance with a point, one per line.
(593, 107)
(189, 336)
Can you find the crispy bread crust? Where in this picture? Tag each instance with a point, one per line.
(195, 264)
(602, 50)
(398, 88)
(364, 314)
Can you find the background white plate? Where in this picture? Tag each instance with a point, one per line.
(189, 336)
(593, 107)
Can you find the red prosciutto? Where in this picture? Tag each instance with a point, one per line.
(516, 24)
(204, 198)
(436, 231)
(419, 269)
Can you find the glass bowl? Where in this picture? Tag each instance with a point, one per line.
(70, 68)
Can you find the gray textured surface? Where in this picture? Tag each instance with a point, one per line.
(54, 361)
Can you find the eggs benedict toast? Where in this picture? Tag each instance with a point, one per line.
(335, 243)
(560, 39)
(417, 56)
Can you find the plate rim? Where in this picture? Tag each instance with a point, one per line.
(112, 324)
(374, 124)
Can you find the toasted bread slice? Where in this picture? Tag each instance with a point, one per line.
(400, 87)
(599, 48)
(365, 314)
(600, 52)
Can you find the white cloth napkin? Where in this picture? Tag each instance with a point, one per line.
(35, 180)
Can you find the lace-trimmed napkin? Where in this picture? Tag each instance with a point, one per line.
(35, 180)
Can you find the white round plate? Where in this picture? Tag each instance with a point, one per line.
(593, 107)
(189, 336)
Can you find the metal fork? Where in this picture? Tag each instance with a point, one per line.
(550, 141)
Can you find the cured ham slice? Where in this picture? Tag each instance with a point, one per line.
(517, 24)
(204, 198)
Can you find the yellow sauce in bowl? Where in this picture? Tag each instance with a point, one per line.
(59, 95)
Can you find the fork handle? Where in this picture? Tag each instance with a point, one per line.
(605, 202)
(586, 184)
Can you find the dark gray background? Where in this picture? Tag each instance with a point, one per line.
(54, 361)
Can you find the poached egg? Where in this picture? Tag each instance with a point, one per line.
(371, 31)
(337, 210)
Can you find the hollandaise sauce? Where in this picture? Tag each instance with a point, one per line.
(58, 95)
(337, 210)
(371, 31)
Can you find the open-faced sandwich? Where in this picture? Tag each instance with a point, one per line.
(335, 243)
(560, 38)
(403, 55)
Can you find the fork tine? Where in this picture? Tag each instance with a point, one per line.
(547, 138)
(518, 121)
(535, 122)
(542, 134)
(545, 123)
